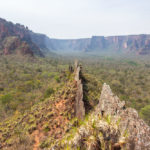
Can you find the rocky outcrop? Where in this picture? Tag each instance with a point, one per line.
(111, 126)
(130, 123)
(13, 45)
(16, 37)
(79, 104)
(55, 123)
(108, 103)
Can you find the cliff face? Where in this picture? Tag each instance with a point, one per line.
(13, 45)
(70, 45)
(138, 44)
(15, 38)
(40, 43)
(132, 43)
(96, 43)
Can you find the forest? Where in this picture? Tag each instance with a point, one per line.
(25, 81)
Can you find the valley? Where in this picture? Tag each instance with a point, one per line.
(47, 101)
(48, 117)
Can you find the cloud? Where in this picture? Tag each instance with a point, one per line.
(79, 18)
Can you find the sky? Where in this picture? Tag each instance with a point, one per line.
(65, 19)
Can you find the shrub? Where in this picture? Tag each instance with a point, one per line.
(5, 99)
(48, 92)
(145, 113)
(57, 78)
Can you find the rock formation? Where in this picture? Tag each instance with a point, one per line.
(79, 104)
(136, 44)
(15, 38)
(138, 130)
(40, 43)
(13, 45)
(59, 123)
(111, 126)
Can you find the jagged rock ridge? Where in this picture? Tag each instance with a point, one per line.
(138, 130)
(54, 123)
(48, 121)
(111, 126)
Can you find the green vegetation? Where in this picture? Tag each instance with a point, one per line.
(145, 113)
(25, 81)
(128, 77)
(35, 95)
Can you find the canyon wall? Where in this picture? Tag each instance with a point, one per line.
(40, 44)
(137, 44)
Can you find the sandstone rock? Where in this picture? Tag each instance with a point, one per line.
(137, 44)
(15, 38)
(138, 131)
(79, 104)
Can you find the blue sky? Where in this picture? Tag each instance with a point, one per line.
(79, 18)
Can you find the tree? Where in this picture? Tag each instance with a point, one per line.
(5, 99)
(145, 113)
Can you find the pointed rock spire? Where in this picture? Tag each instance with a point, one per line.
(135, 129)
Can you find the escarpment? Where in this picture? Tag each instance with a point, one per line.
(41, 45)
(16, 39)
